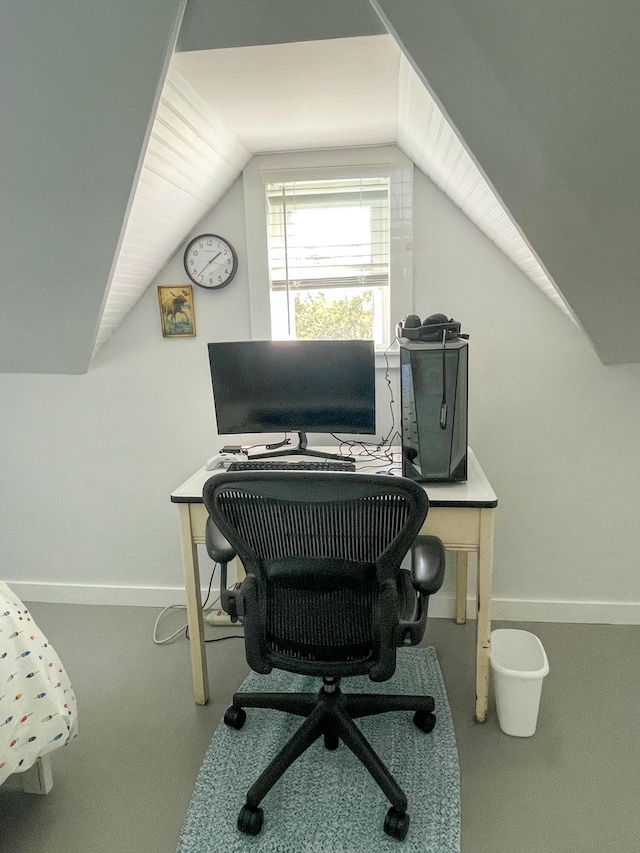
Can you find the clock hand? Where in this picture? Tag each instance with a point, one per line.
(209, 262)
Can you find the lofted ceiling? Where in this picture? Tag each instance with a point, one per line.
(545, 95)
(219, 107)
(325, 93)
(118, 145)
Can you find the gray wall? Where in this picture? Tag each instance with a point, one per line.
(554, 429)
(79, 88)
(545, 97)
(208, 25)
(89, 461)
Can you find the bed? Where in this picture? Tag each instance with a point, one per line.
(38, 712)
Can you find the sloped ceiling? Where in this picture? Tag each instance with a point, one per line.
(348, 92)
(97, 194)
(79, 89)
(191, 161)
(291, 96)
(546, 98)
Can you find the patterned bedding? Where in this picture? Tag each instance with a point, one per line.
(38, 711)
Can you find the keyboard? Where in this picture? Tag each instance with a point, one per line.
(266, 465)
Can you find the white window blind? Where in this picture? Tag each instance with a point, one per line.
(328, 233)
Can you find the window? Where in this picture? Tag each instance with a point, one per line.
(329, 243)
(329, 258)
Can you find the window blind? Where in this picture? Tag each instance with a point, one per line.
(329, 233)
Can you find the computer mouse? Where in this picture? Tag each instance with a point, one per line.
(390, 473)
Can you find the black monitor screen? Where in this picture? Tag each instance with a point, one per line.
(293, 386)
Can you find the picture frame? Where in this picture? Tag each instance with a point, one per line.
(177, 315)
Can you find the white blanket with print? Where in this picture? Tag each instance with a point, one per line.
(37, 704)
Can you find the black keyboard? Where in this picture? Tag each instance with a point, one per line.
(266, 465)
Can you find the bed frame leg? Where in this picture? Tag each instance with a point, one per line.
(39, 778)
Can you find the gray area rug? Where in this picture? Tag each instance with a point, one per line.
(327, 802)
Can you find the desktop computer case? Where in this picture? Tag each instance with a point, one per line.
(429, 452)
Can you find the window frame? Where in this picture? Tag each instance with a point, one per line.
(385, 160)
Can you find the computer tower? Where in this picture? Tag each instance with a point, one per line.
(434, 403)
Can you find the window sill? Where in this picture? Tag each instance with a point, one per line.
(389, 357)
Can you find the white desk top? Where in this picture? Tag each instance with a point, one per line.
(476, 491)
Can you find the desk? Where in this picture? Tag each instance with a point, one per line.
(460, 514)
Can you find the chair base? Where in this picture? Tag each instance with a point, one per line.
(329, 713)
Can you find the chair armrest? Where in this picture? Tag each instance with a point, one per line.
(427, 575)
(222, 552)
(427, 564)
(217, 546)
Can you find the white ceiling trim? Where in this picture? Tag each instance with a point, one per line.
(191, 161)
(425, 136)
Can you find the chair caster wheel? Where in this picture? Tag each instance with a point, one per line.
(250, 820)
(396, 824)
(331, 740)
(425, 720)
(235, 717)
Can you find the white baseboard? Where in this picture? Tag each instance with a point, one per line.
(593, 612)
(128, 596)
(518, 610)
(440, 606)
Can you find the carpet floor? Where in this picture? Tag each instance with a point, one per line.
(326, 800)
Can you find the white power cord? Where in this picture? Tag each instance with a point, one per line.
(164, 640)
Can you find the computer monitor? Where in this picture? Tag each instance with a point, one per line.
(293, 386)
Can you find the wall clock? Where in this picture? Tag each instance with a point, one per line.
(210, 261)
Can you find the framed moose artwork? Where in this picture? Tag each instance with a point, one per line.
(176, 311)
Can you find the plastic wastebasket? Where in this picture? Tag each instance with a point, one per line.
(519, 663)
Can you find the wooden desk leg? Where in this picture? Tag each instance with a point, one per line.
(194, 608)
(483, 628)
(460, 612)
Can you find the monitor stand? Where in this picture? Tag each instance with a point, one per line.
(302, 450)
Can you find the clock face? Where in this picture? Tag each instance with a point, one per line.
(210, 261)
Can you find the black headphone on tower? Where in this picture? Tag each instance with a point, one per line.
(433, 329)
(437, 329)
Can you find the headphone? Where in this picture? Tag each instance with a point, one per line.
(435, 328)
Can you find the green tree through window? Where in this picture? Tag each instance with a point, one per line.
(338, 319)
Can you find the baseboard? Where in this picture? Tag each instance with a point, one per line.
(594, 612)
(520, 610)
(128, 596)
(440, 606)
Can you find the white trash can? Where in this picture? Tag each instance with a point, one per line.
(519, 663)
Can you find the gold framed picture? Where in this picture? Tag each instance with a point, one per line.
(176, 311)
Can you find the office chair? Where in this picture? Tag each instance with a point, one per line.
(325, 595)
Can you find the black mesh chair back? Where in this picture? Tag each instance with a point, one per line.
(322, 553)
(325, 595)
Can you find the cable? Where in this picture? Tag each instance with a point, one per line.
(218, 639)
(443, 405)
(382, 450)
(393, 431)
(285, 440)
(185, 628)
(168, 639)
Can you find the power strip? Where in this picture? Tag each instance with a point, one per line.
(217, 617)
